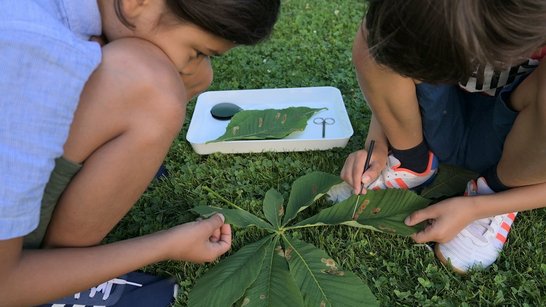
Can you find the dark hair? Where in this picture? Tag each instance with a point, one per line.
(245, 22)
(445, 40)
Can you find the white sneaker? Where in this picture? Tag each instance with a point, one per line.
(480, 243)
(340, 192)
(396, 177)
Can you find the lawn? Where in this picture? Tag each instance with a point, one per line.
(311, 46)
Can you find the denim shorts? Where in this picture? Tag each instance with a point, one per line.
(466, 129)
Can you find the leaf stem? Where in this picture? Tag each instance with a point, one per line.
(222, 198)
(304, 226)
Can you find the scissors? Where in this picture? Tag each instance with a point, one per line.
(324, 121)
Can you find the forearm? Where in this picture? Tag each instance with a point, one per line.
(70, 270)
(516, 199)
(391, 97)
(375, 132)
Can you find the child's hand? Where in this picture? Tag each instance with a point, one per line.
(353, 169)
(446, 219)
(200, 241)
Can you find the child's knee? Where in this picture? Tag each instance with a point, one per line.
(163, 121)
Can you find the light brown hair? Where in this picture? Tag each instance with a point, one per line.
(445, 40)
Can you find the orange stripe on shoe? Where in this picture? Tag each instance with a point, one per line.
(505, 226)
(389, 185)
(512, 216)
(401, 183)
(501, 238)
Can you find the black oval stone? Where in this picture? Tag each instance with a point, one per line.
(224, 110)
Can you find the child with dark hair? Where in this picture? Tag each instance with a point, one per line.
(461, 83)
(84, 129)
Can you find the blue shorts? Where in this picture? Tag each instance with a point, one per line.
(466, 129)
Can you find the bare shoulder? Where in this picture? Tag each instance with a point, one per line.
(138, 66)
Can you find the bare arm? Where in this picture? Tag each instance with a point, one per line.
(452, 215)
(54, 273)
(395, 120)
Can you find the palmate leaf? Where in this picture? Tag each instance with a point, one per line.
(450, 181)
(383, 210)
(267, 124)
(273, 207)
(305, 190)
(236, 217)
(274, 286)
(321, 281)
(226, 282)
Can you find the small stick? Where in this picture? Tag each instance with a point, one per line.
(366, 166)
(367, 163)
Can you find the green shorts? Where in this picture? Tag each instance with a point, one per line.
(61, 176)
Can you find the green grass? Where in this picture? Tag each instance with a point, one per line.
(311, 46)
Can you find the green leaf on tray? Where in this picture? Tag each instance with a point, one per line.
(267, 124)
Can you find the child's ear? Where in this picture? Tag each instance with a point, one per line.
(131, 9)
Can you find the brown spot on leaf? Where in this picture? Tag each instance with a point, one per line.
(333, 271)
(288, 253)
(281, 211)
(246, 301)
(277, 116)
(314, 189)
(260, 122)
(279, 251)
(262, 297)
(376, 210)
(284, 116)
(235, 130)
(329, 262)
(322, 304)
(361, 209)
(386, 228)
(363, 206)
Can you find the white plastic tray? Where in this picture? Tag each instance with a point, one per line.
(204, 128)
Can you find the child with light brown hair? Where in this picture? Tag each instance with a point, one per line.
(461, 83)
